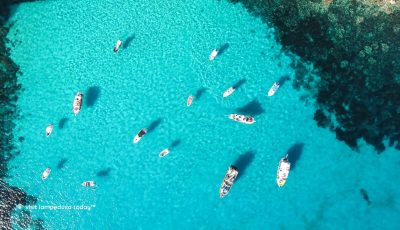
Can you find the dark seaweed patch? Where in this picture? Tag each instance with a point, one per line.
(353, 46)
(10, 196)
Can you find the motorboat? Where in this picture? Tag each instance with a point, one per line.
(229, 91)
(164, 152)
(213, 54)
(49, 129)
(283, 171)
(273, 89)
(139, 135)
(189, 100)
(77, 105)
(46, 173)
(242, 118)
(88, 184)
(117, 46)
(228, 181)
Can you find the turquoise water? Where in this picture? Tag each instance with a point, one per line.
(67, 47)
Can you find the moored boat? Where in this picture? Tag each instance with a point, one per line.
(229, 91)
(46, 173)
(77, 104)
(189, 100)
(164, 152)
(228, 181)
(273, 89)
(88, 184)
(283, 171)
(139, 135)
(213, 54)
(242, 118)
(49, 129)
(117, 46)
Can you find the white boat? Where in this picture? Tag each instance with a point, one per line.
(139, 135)
(229, 91)
(242, 118)
(164, 152)
(77, 105)
(189, 100)
(213, 54)
(283, 171)
(117, 46)
(88, 184)
(273, 89)
(49, 129)
(227, 183)
(46, 173)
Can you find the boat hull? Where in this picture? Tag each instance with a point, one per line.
(189, 101)
(213, 54)
(77, 104)
(46, 173)
(164, 152)
(49, 129)
(139, 135)
(228, 92)
(283, 171)
(242, 119)
(273, 89)
(117, 46)
(228, 181)
(88, 184)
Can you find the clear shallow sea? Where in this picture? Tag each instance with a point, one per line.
(66, 46)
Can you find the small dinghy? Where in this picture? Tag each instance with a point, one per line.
(139, 135)
(189, 100)
(213, 54)
(283, 171)
(46, 173)
(49, 129)
(164, 152)
(88, 184)
(229, 91)
(242, 118)
(77, 105)
(117, 46)
(273, 89)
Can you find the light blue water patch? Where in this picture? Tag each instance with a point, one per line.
(67, 47)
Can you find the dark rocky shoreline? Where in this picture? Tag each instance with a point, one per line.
(10, 197)
(354, 46)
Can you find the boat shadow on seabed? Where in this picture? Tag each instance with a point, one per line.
(294, 154)
(243, 162)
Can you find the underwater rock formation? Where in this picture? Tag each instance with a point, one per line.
(10, 196)
(353, 46)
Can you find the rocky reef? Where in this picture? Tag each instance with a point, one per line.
(10, 197)
(353, 46)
